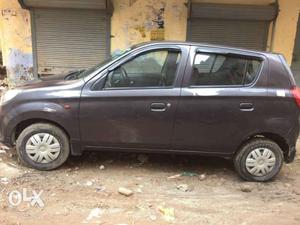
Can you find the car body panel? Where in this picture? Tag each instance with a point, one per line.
(53, 101)
(124, 116)
(204, 120)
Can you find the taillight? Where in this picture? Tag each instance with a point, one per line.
(296, 94)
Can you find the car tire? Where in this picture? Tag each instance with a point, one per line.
(259, 160)
(43, 146)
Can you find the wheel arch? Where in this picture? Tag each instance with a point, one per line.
(278, 139)
(25, 123)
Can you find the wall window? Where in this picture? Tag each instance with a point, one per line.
(215, 69)
(152, 69)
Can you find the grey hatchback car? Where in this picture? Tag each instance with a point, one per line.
(166, 97)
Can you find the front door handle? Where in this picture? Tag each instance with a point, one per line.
(246, 107)
(158, 107)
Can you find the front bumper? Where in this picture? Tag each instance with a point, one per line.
(5, 130)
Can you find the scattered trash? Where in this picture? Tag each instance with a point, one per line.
(89, 183)
(73, 169)
(153, 217)
(189, 174)
(95, 213)
(142, 159)
(125, 191)
(139, 190)
(4, 180)
(102, 167)
(186, 174)
(12, 164)
(183, 187)
(174, 176)
(246, 188)
(202, 177)
(168, 213)
(2, 151)
(100, 189)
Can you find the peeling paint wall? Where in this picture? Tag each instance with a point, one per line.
(135, 21)
(16, 41)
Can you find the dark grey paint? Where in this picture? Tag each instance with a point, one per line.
(207, 120)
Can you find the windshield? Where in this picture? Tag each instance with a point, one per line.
(114, 56)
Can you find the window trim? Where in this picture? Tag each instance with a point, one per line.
(132, 57)
(225, 53)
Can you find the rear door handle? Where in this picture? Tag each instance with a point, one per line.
(247, 107)
(158, 107)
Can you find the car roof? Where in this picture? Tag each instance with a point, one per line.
(230, 48)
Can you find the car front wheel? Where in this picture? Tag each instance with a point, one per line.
(43, 146)
(259, 159)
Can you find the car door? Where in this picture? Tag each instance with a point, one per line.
(133, 103)
(221, 101)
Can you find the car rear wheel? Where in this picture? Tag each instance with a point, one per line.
(43, 146)
(259, 159)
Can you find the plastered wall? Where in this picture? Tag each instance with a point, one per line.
(134, 20)
(15, 36)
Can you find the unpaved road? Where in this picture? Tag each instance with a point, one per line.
(82, 193)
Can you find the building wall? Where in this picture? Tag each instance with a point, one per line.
(133, 21)
(15, 39)
(286, 28)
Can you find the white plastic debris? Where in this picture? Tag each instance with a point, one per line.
(89, 183)
(4, 180)
(95, 213)
(102, 167)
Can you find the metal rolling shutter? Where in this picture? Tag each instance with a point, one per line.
(79, 4)
(245, 34)
(234, 25)
(68, 39)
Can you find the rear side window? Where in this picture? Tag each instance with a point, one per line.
(219, 70)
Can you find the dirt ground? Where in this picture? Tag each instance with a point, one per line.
(206, 191)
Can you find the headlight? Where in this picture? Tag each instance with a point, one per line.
(9, 95)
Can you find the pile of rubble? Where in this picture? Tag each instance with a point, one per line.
(3, 78)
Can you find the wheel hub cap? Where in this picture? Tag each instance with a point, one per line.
(42, 148)
(260, 162)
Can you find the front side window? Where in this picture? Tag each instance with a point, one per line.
(219, 70)
(152, 69)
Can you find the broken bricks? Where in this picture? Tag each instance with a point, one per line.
(125, 191)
